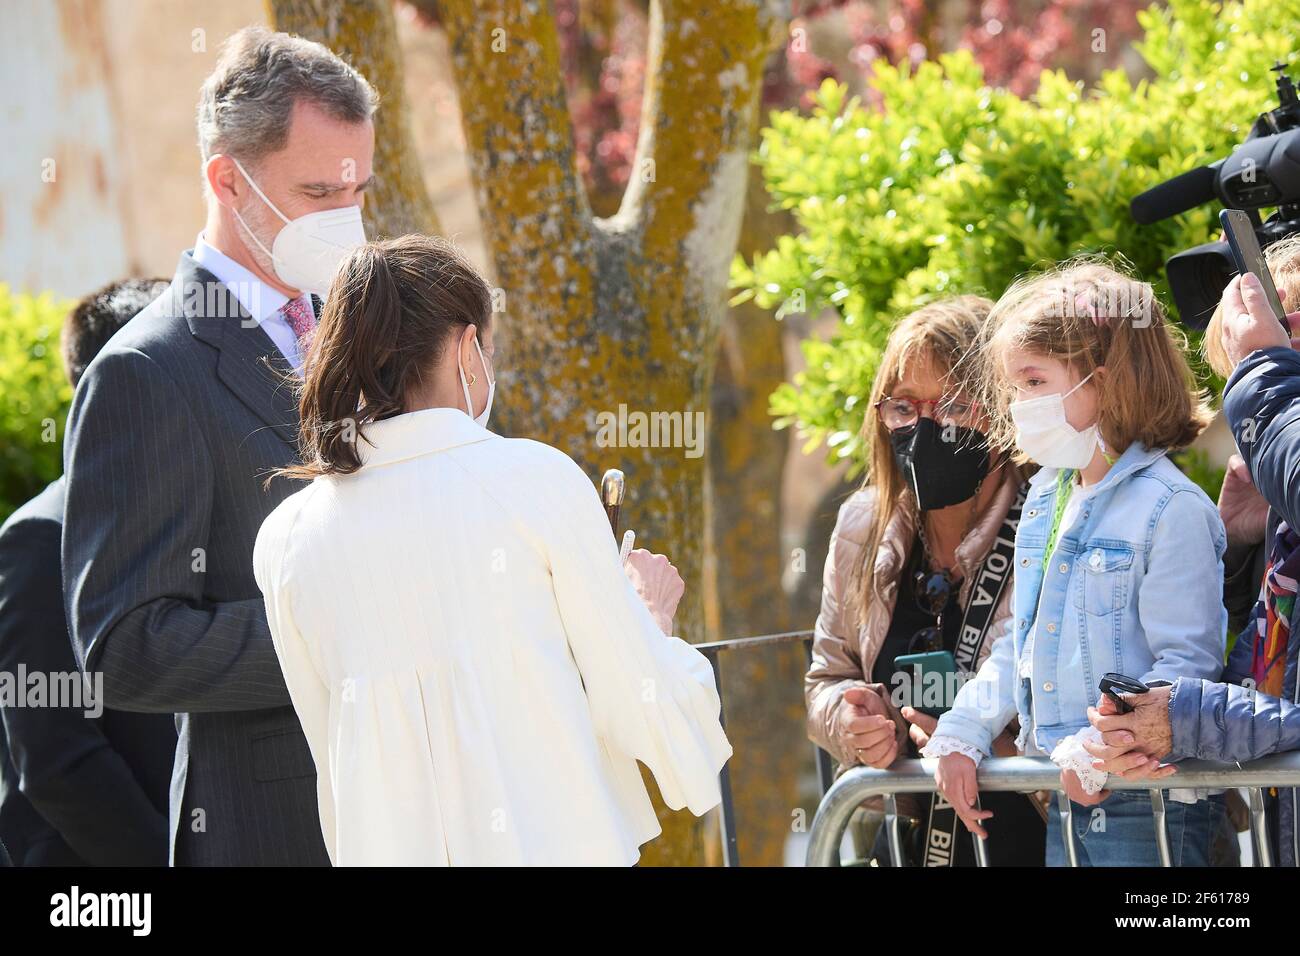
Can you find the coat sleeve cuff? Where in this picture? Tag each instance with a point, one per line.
(1185, 717)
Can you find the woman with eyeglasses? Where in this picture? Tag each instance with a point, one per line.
(917, 585)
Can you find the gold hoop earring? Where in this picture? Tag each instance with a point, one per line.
(472, 378)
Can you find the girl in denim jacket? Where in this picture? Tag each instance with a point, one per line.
(1118, 555)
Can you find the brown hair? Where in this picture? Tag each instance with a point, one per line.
(94, 320)
(1088, 313)
(937, 335)
(1283, 258)
(391, 310)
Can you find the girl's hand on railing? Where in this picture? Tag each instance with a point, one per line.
(1074, 790)
(864, 731)
(955, 779)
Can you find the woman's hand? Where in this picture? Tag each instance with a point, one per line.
(1248, 320)
(1243, 509)
(956, 781)
(921, 726)
(658, 584)
(1131, 744)
(864, 730)
(1074, 790)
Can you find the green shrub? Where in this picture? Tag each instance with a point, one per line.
(34, 395)
(1196, 465)
(950, 186)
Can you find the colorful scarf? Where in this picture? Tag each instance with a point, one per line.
(1273, 612)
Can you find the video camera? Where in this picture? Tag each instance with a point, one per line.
(1263, 172)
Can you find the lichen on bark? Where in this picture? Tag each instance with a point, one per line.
(626, 310)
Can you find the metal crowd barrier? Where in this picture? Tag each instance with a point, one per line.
(1017, 774)
(1027, 774)
(825, 766)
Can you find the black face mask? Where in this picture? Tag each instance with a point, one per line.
(942, 464)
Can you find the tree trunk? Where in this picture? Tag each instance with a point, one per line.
(364, 34)
(763, 686)
(625, 311)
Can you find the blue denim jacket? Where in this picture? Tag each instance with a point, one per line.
(1134, 585)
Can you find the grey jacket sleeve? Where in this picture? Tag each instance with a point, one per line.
(135, 538)
(1229, 723)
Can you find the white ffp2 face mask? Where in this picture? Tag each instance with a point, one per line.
(1046, 435)
(482, 417)
(308, 250)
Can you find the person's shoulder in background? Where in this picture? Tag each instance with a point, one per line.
(44, 512)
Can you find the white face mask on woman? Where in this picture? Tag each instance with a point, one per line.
(482, 418)
(308, 250)
(1046, 435)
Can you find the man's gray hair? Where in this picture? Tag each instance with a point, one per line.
(246, 104)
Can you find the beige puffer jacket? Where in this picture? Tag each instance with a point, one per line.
(844, 651)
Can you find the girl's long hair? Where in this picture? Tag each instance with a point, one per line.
(392, 308)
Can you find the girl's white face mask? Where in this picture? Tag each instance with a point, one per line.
(1046, 436)
(481, 418)
(308, 250)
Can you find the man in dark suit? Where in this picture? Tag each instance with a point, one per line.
(177, 425)
(74, 790)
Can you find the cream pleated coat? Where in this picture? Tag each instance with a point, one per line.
(474, 673)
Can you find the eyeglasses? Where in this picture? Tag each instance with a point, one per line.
(899, 413)
(933, 591)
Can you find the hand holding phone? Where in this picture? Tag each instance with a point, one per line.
(1240, 233)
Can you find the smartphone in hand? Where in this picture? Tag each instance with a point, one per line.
(1240, 232)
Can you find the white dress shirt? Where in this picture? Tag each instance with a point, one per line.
(259, 300)
(475, 674)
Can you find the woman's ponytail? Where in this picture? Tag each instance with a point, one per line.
(391, 308)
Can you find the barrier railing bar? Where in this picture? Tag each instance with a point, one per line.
(727, 814)
(981, 850)
(825, 766)
(892, 833)
(759, 640)
(1259, 828)
(1026, 774)
(1067, 826)
(1162, 833)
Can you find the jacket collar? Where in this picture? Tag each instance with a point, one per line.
(417, 433)
(248, 362)
(970, 553)
(1134, 459)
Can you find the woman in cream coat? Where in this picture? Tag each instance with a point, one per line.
(476, 675)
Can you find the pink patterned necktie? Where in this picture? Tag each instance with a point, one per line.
(298, 313)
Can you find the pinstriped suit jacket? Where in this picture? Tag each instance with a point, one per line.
(174, 428)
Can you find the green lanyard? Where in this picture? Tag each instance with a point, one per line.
(1063, 479)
